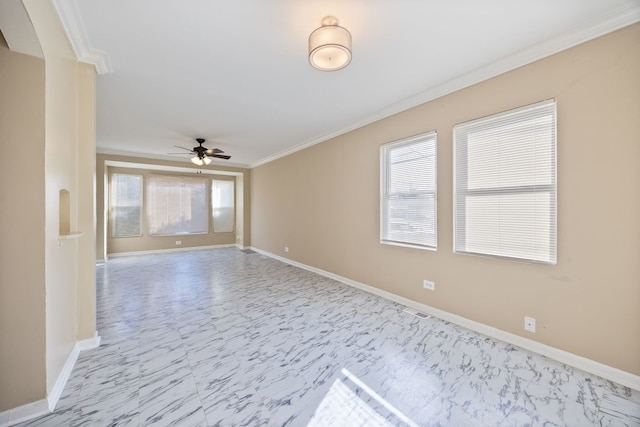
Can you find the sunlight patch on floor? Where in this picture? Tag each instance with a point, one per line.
(350, 402)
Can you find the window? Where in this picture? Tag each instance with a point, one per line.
(177, 205)
(505, 184)
(126, 205)
(408, 193)
(222, 205)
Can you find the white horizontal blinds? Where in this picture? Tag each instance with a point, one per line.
(505, 184)
(408, 199)
(177, 205)
(126, 205)
(222, 203)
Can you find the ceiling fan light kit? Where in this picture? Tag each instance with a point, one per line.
(200, 161)
(330, 46)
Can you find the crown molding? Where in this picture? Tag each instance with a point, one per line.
(18, 30)
(70, 18)
(617, 19)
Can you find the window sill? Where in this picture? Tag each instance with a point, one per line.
(408, 245)
(71, 235)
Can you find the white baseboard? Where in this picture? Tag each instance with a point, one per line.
(42, 407)
(159, 251)
(89, 343)
(591, 366)
(24, 413)
(58, 387)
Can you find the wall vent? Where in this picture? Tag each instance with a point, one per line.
(416, 313)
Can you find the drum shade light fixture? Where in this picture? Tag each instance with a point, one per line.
(330, 46)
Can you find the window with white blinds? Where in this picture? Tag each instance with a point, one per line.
(408, 192)
(126, 205)
(177, 205)
(222, 205)
(505, 184)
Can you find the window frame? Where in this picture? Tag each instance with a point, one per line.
(112, 205)
(233, 207)
(430, 138)
(463, 192)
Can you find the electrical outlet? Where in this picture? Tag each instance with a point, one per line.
(428, 284)
(286, 248)
(178, 242)
(529, 324)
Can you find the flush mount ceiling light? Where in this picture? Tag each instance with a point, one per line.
(330, 46)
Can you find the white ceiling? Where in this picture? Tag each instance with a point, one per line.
(237, 73)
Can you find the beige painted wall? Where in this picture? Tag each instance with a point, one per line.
(68, 125)
(22, 219)
(323, 203)
(146, 242)
(86, 203)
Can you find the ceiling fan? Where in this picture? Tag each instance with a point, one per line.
(202, 155)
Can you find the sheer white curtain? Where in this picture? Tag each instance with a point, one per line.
(126, 205)
(222, 203)
(177, 205)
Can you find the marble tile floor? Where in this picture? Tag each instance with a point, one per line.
(227, 338)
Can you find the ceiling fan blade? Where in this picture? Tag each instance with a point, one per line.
(211, 151)
(177, 146)
(203, 151)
